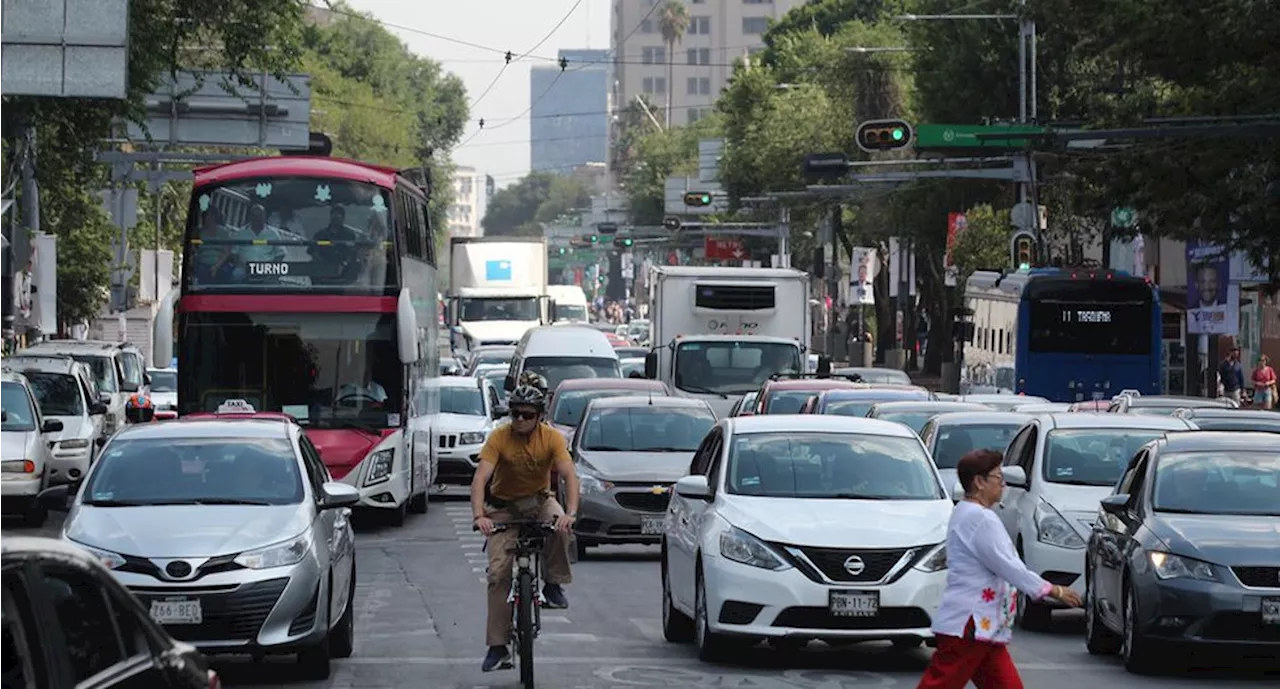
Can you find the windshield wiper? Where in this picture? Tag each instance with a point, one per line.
(603, 448)
(1079, 482)
(229, 501)
(663, 449)
(709, 391)
(116, 503)
(855, 496)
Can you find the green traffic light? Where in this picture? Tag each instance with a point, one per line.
(1024, 267)
(562, 251)
(706, 199)
(898, 134)
(594, 239)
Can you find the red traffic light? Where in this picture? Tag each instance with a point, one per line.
(884, 135)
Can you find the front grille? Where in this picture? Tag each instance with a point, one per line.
(738, 612)
(821, 618)
(644, 502)
(232, 616)
(307, 619)
(1258, 577)
(876, 563)
(141, 565)
(1236, 625)
(448, 440)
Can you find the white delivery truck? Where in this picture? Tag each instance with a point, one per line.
(497, 289)
(719, 333)
(568, 304)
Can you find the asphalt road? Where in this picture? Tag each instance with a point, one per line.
(420, 605)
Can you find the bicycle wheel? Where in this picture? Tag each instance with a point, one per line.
(524, 626)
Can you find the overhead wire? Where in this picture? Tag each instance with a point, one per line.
(509, 57)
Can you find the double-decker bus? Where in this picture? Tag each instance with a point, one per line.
(1070, 335)
(309, 288)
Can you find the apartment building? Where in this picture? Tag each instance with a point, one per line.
(719, 32)
(464, 214)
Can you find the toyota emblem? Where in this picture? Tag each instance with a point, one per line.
(178, 569)
(854, 565)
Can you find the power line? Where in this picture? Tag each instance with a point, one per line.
(509, 57)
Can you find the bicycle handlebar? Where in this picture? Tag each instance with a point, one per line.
(503, 526)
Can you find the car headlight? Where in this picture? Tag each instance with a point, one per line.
(108, 559)
(590, 484)
(76, 444)
(1170, 566)
(935, 561)
(740, 546)
(473, 438)
(1053, 529)
(280, 554)
(380, 465)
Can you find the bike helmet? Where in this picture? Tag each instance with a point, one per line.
(527, 396)
(138, 408)
(533, 380)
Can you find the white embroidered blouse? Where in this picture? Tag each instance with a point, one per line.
(983, 571)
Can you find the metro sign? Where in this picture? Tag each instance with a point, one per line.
(719, 249)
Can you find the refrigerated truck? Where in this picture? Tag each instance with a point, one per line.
(497, 289)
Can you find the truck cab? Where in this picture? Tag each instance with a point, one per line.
(497, 290)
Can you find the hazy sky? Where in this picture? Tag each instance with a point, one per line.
(499, 25)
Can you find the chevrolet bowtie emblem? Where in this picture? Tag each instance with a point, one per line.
(659, 490)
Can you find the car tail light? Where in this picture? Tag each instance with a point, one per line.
(214, 682)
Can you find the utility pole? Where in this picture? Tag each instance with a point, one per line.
(833, 278)
(30, 200)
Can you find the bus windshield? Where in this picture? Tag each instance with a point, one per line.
(1090, 317)
(328, 370)
(291, 234)
(733, 368)
(500, 309)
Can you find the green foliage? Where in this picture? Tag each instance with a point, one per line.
(826, 17)
(539, 197)
(984, 244)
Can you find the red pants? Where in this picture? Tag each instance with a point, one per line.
(959, 660)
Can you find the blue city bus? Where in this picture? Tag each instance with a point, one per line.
(1072, 335)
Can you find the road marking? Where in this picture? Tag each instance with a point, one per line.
(473, 544)
(663, 661)
(569, 636)
(560, 619)
(398, 635)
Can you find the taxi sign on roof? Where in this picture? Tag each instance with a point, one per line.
(236, 407)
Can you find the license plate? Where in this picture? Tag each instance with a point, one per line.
(177, 611)
(1271, 610)
(854, 603)
(653, 526)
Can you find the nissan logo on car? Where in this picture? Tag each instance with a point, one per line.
(854, 565)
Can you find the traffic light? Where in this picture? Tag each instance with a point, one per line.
(671, 223)
(594, 238)
(697, 199)
(1024, 250)
(562, 251)
(623, 242)
(883, 135)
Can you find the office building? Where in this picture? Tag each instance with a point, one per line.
(568, 122)
(464, 214)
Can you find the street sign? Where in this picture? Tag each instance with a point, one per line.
(724, 249)
(965, 136)
(66, 48)
(1124, 217)
(607, 228)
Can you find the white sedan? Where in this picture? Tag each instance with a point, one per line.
(802, 527)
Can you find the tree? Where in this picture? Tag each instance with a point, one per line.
(539, 197)
(673, 21)
(984, 244)
(657, 156)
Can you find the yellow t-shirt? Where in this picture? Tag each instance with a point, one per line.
(522, 466)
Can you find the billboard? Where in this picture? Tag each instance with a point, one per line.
(1213, 301)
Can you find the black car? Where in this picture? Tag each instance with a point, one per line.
(68, 623)
(1186, 550)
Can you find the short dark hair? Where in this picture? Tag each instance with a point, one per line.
(976, 463)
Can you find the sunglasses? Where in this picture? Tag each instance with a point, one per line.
(524, 415)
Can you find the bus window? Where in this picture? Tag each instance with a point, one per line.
(1078, 317)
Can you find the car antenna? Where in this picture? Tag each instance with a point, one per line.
(650, 397)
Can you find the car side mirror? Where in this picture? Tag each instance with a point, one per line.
(51, 426)
(4, 416)
(334, 494)
(55, 498)
(694, 488)
(651, 365)
(509, 383)
(100, 441)
(499, 412)
(97, 409)
(126, 386)
(104, 397)
(1015, 477)
(1116, 505)
(957, 492)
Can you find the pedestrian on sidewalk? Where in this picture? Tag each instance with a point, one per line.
(1231, 375)
(974, 623)
(1264, 384)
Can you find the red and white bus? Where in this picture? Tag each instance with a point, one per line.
(309, 288)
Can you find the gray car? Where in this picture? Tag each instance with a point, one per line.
(1186, 550)
(628, 452)
(229, 530)
(914, 414)
(950, 436)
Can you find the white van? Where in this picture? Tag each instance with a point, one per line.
(568, 304)
(118, 367)
(563, 352)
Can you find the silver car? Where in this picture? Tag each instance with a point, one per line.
(628, 452)
(25, 460)
(229, 530)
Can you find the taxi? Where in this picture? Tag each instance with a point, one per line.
(229, 529)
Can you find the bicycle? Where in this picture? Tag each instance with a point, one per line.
(526, 590)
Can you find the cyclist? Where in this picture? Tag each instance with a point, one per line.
(519, 457)
(138, 408)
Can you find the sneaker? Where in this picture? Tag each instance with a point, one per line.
(555, 598)
(496, 659)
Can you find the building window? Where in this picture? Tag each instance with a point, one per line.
(654, 85)
(646, 26)
(699, 56)
(757, 2)
(699, 86)
(653, 55)
(754, 25)
(699, 26)
(695, 114)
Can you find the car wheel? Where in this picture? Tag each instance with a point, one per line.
(1135, 648)
(677, 627)
(580, 548)
(420, 503)
(399, 514)
(711, 646)
(343, 643)
(1033, 616)
(1098, 639)
(314, 662)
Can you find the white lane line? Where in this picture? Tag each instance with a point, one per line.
(473, 544)
(559, 619)
(570, 637)
(398, 635)
(664, 661)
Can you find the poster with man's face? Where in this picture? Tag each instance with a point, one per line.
(1213, 303)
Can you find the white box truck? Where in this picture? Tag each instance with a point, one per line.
(497, 289)
(719, 333)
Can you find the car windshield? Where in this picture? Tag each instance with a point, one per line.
(567, 406)
(491, 357)
(223, 470)
(58, 393)
(787, 401)
(1092, 456)
(466, 401)
(557, 369)
(163, 381)
(104, 370)
(571, 312)
(1235, 483)
(831, 465)
(732, 367)
(499, 308)
(879, 375)
(18, 414)
(861, 405)
(646, 429)
(497, 378)
(915, 420)
(1245, 424)
(954, 442)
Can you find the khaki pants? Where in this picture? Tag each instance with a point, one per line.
(555, 564)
